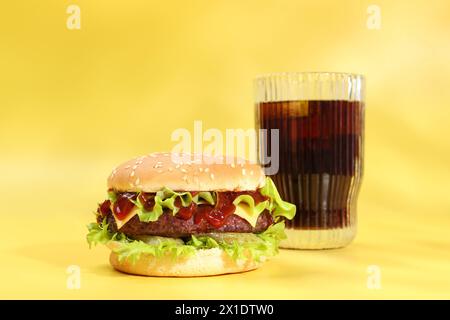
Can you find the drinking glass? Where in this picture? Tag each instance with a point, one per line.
(320, 123)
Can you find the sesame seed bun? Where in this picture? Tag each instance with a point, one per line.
(184, 172)
(205, 262)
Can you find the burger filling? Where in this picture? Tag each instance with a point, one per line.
(195, 217)
(243, 224)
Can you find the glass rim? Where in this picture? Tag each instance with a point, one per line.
(286, 86)
(292, 73)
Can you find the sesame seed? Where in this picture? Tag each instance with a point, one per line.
(251, 172)
(183, 170)
(206, 169)
(152, 155)
(135, 166)
(200, 169)
(177, 166)
(132, 174)
(243, 172)
(170, 169)
(233, 165)
(137, 181)
(127, 167)
(212, 176)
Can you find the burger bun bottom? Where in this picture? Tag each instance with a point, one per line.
(205, 262)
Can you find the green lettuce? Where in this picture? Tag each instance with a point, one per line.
(98, 233)
(237, 246)
(205, 197)
(112, 196)
(157, 210)
(131, 250)
(277, 206)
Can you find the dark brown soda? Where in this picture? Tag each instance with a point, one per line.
(320, 158)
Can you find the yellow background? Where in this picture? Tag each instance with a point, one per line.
(74, 103)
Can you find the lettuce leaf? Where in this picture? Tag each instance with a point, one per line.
(166, 193)
(205, 197)
(237, 246)
(132, 250)
(98, 233)
(277, 207)
(112, 196)
(155, 213)
(247, 209)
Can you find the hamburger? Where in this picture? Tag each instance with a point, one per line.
(199, 217)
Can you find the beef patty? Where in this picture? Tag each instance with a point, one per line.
(169, 225)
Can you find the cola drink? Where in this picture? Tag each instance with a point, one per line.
(320, 150)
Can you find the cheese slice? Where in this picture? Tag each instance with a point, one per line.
(244, 211)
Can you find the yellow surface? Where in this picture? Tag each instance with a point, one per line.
(74, 103)
(410, 251)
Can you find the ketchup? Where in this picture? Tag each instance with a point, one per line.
(104, 208)
(216, 216)
(185, 213)
(202, 212)
(123, 206)
(147, 200)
